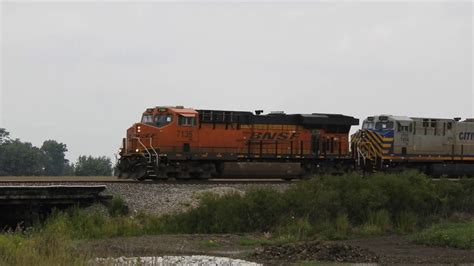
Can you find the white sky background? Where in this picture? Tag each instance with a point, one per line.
(82, 73)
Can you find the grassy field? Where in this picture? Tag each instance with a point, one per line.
(456, 235)
(327, 207)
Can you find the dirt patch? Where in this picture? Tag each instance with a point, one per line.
(384, 250)
(399, 250)
(162, 245)
(318, 251)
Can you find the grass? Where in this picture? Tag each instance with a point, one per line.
(455, 235)
(41, 249)
(53, 242)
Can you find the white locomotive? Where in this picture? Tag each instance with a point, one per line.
(434, 145)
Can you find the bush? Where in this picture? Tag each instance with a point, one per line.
(258, 210)
(332, 206)
(117, 206)
(295, 230)
(455, 196)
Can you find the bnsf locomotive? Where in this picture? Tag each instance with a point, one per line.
(184, 143)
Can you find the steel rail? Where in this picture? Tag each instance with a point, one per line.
(155, 182)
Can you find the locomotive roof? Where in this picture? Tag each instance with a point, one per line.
(316, 120)
(409, 119)
(333, 119)
(401, 118)
(183, 110)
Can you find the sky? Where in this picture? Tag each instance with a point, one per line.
(81, 73)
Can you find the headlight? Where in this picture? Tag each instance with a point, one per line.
(137, 150)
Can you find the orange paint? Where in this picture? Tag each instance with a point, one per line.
(240, 140)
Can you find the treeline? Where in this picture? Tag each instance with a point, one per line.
(19, 158)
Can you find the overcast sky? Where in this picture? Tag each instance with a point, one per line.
(82, 73)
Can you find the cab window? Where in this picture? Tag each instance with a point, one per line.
(401, 128)
(426, 122)
(163, 120)
(147, 119)
(368, 125)
(383, 125)
(186, 121)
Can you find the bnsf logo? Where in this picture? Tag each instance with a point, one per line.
(274, 136)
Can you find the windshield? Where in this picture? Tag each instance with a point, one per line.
(147, 119)
(162, 120)
(384, 125)
(368, 125)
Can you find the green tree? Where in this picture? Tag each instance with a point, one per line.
(4, 136)
(93, 166)
(20, 158)
(69, 169)
(55, 161)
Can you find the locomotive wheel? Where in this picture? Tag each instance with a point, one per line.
(123, 174)
(123, 169)
(139, 172)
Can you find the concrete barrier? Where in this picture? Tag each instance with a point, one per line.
(27, 204)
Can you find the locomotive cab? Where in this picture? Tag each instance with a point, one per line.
(157, 117)
(379, 123)
(158, 127)
(161, 129)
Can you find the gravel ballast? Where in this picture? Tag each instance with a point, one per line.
(164, 199)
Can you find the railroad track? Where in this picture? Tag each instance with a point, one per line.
(112, 179)
(106, 179)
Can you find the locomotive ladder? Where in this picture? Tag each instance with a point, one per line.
(151, 157)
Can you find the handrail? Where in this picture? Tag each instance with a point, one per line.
(367, 150)
(156, 153)
(141, 143)
(360, 154)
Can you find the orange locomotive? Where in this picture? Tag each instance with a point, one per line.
(187, 143)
